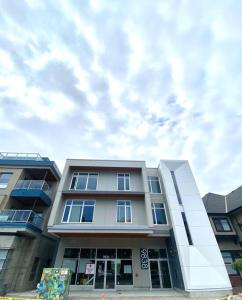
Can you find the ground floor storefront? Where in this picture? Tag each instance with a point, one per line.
(115, 263)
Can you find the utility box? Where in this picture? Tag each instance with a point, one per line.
(54, 284)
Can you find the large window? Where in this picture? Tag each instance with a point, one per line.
(154, 184)
(228, 260)
(78, 211)
(124, 211)
(77, 259)
(84, 181)
(159, 214)
(123, 182)
(4, 179)
(222, 224)
(124, 272)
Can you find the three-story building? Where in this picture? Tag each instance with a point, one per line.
(28, 183)
(225, 214)
(122, 225)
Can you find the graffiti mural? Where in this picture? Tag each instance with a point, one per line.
(54, 284)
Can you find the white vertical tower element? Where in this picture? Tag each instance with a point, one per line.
(201, 262)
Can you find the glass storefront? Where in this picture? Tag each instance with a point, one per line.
(109, 267)
(159, 269)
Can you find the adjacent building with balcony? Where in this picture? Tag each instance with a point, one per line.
(225, 214)
(28, 183)
(123, 225)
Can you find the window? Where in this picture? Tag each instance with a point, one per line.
(3, 257)
(84, 181)
(189, 237)
(34, 269)
(222, 224)
(124, 214)
(4, 179)
(124, 253)
(176, 187)
(106, 253)
(124, 272)
(159, 214)
(88, 253)
(76, 260)
(123, 182)
(78, 211)
(72, 253)
(154, 184)
(228, 260)
(157, 253)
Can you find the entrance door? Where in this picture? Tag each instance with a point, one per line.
(155, 274)
(159, 274)
(105, 274)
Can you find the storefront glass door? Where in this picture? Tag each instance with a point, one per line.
(159, 274)
(105, 274)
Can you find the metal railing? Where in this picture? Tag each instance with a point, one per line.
(33, 184)
(19, 155)
(21, 216)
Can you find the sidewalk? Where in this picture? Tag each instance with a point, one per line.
(117, 295)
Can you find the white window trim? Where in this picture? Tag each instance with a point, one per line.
(124, 182)
(164, 207)
(150, 186)
(68, 222)
(131, 212)
(88, 175)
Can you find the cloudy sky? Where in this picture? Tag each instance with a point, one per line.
(125, 80)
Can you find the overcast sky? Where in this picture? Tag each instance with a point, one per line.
(122, 79)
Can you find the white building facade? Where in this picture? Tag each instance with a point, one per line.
(122, 226)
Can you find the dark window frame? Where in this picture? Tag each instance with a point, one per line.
(216, 219)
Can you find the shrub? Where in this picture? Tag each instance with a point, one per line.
(237, 265)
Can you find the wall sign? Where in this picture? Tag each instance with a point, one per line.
(90, 269)
(144, 258)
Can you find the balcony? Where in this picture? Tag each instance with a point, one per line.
(20, 220)
(21, 156)
(29, 190)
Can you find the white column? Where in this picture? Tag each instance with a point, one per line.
(201, 263)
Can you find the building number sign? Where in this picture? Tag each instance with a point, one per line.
(144, 258)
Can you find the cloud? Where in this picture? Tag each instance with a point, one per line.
(128, 80)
